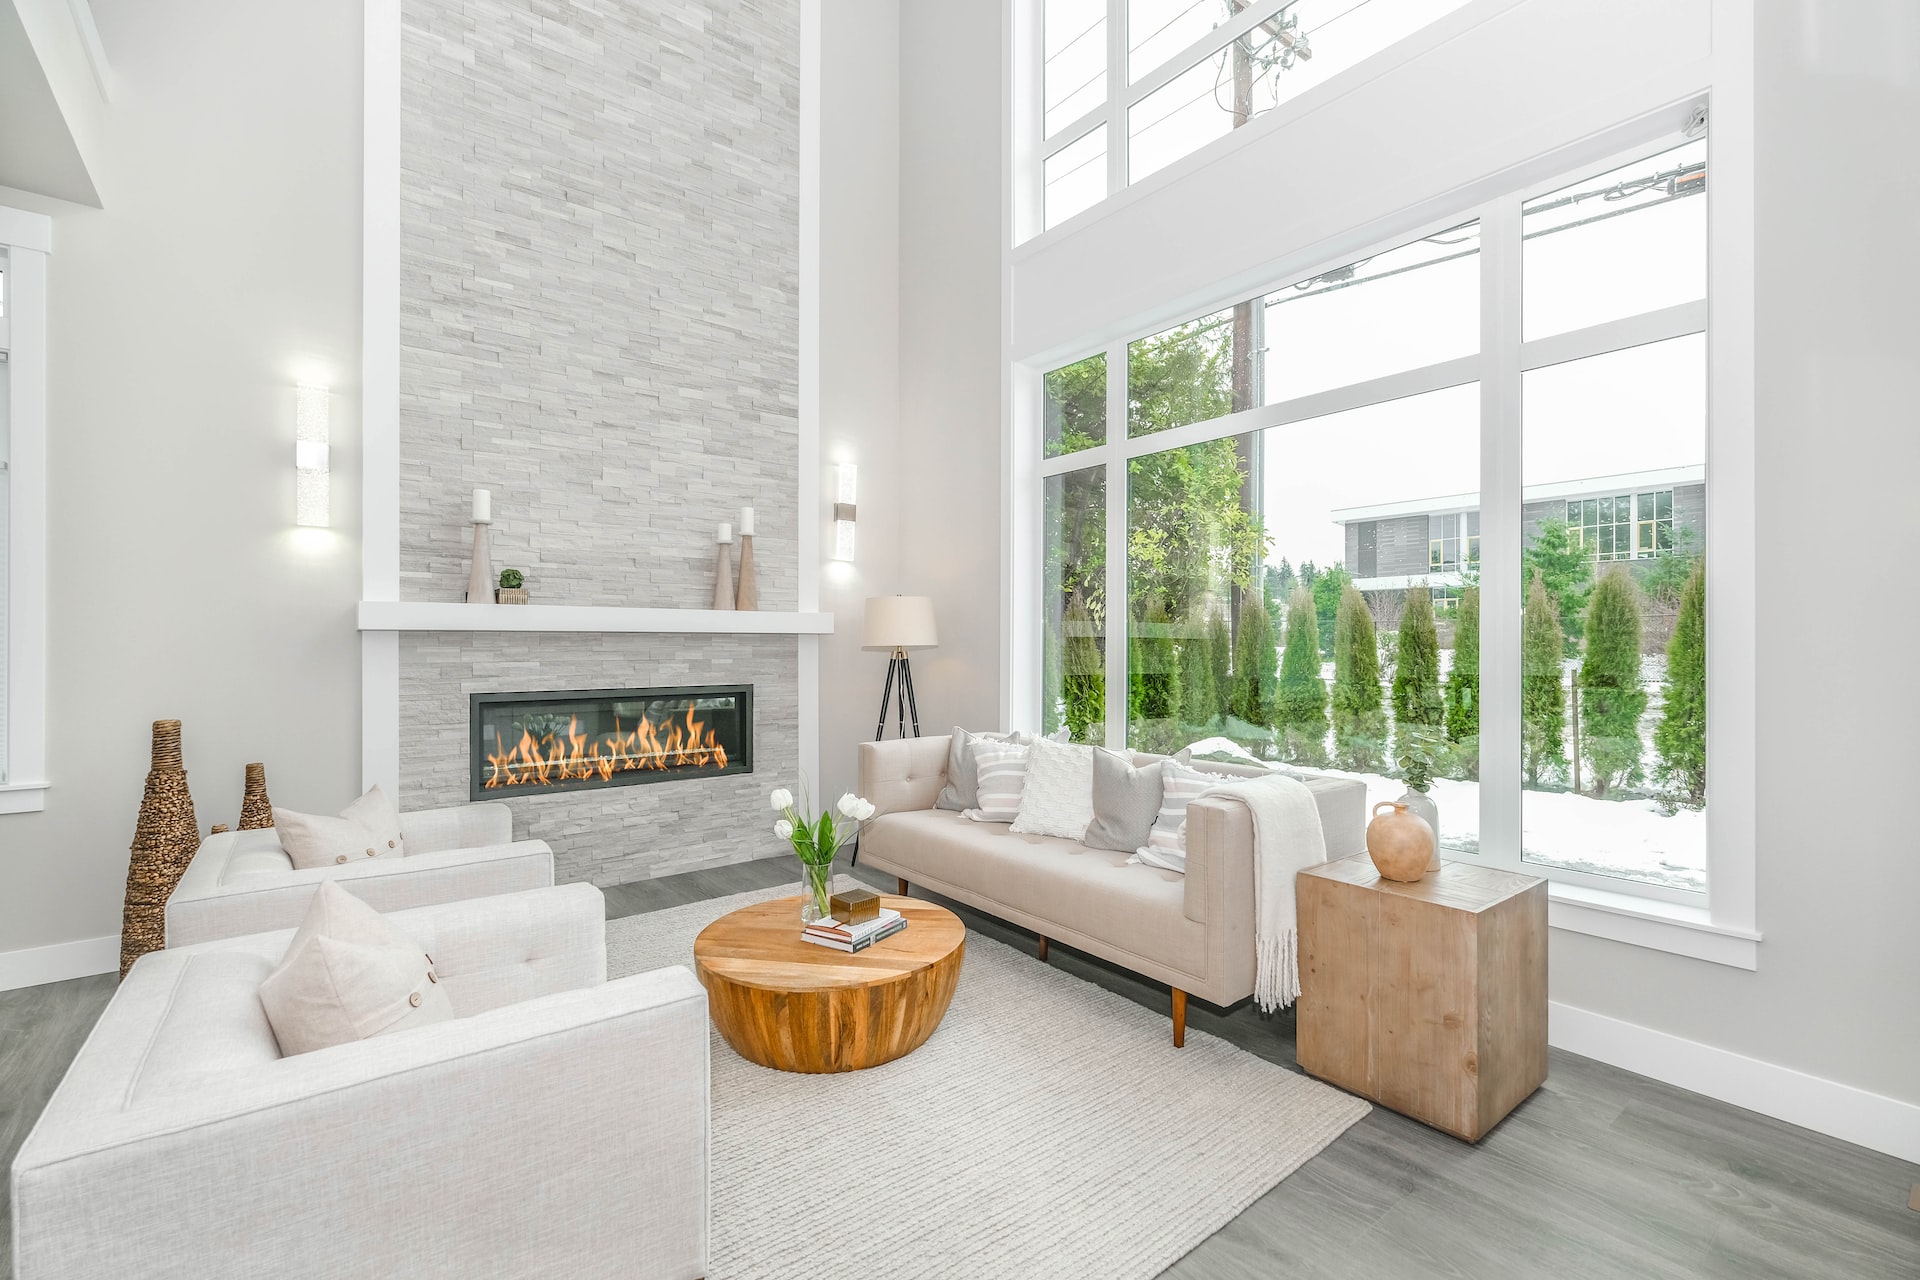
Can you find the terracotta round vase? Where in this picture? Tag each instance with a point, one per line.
(1400, 842)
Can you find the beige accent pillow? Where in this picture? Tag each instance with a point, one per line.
(367, 828)
(349, 974)
(1058, 797)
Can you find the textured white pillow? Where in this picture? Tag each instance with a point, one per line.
(1002, 776)
(367, 828)
(349, 974)
(1058, 800)
(1166, 845)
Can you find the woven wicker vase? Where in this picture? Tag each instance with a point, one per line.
(163, 843)
(256, 811)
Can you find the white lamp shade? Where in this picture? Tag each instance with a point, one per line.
(899, 622)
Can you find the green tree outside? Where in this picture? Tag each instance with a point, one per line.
(1565, 569)
(1359, 720)
(1300, 710)
(1612, 701)
(1220, 658)
(1255, 669)
(1418, 702)
(1328, 588)
(1153, 683)
(1681, 737)
(1083, 682)
(1199, 695)
(1463, 686)
(1543, 708)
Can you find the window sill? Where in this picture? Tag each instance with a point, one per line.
(1644, 922)
(23, 797)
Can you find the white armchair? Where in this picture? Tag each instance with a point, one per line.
(242, 882)
(558, 1126)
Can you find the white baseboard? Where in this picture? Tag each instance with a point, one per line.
(1826, 1106)
(81, 958)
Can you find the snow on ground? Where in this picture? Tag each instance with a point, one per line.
(1620, 838)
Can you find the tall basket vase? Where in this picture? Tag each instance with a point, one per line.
(164, 841)
(816, 891)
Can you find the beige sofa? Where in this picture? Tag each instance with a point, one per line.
(1193, 932)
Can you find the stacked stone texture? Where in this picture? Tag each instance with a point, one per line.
(599, 322)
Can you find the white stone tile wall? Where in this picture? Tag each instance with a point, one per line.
(599, 275)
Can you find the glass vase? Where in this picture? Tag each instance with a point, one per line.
(816, 891)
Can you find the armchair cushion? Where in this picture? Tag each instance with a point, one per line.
(369, 827)
(348, 975)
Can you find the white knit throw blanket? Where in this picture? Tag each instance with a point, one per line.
(1286, 839)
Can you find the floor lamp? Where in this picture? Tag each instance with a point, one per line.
(896, 624)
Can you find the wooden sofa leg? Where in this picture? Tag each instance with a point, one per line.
(903, 886)
(1043, 951)
(1179, 1018)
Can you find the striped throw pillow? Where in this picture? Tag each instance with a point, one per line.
(1166, 845)
(1001, 769)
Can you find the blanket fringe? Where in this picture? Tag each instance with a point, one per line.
(1277, 964)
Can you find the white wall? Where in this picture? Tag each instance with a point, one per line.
(951, 201)
(1838, 92)
(224, 268)
(859, 355)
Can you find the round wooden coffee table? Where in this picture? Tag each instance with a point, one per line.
(791, 1005)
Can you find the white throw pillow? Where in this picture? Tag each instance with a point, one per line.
(1166, 845)
(1058, 800)
(367, 828)
(1002, 776)
(349, 974)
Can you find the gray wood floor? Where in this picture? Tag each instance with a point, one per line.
(1600, 1174)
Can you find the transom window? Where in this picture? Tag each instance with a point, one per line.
(1183, 73)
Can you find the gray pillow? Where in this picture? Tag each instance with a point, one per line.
(963, 778)
(1125, 802)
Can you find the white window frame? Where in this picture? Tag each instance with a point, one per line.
(1032, 145)
(28, 240)
(1717, 926)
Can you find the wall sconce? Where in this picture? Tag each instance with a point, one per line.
(312, 481)
(843, 512)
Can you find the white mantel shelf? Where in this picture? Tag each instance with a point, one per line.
(409, 615)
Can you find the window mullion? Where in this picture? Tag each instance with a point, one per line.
(1116, 462)
(1116, 101)
(1500, 534)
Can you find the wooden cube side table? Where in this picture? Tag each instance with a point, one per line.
(1429, 998)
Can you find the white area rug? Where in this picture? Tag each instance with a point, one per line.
(1049, 1128)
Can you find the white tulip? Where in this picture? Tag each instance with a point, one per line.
(849, 805)
(783, 829)
(782, 799)
(864, 811)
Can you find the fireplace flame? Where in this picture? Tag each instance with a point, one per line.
(682, 741)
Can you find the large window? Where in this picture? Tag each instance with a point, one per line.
(1304, 543)
(1186, 73)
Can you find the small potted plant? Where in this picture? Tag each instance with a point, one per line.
(1416, 761)
(513, 587)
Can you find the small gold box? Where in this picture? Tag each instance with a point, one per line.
(855, 905)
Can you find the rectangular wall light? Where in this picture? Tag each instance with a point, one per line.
(843, 512)
(312, 481)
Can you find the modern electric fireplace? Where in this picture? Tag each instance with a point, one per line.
(572, 740)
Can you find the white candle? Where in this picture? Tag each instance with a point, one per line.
(482, 507)
(725, 534)
(746, 522)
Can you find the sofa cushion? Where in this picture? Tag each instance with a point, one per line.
(1166, 844)
(1094, 892)
(962, 791)
(1126, 799)
(1058, 798)
(254, 853)
(1002, 768)
(349, 974)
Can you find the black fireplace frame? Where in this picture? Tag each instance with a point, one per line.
(741, 762)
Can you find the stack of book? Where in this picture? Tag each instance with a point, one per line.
(829, 932)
